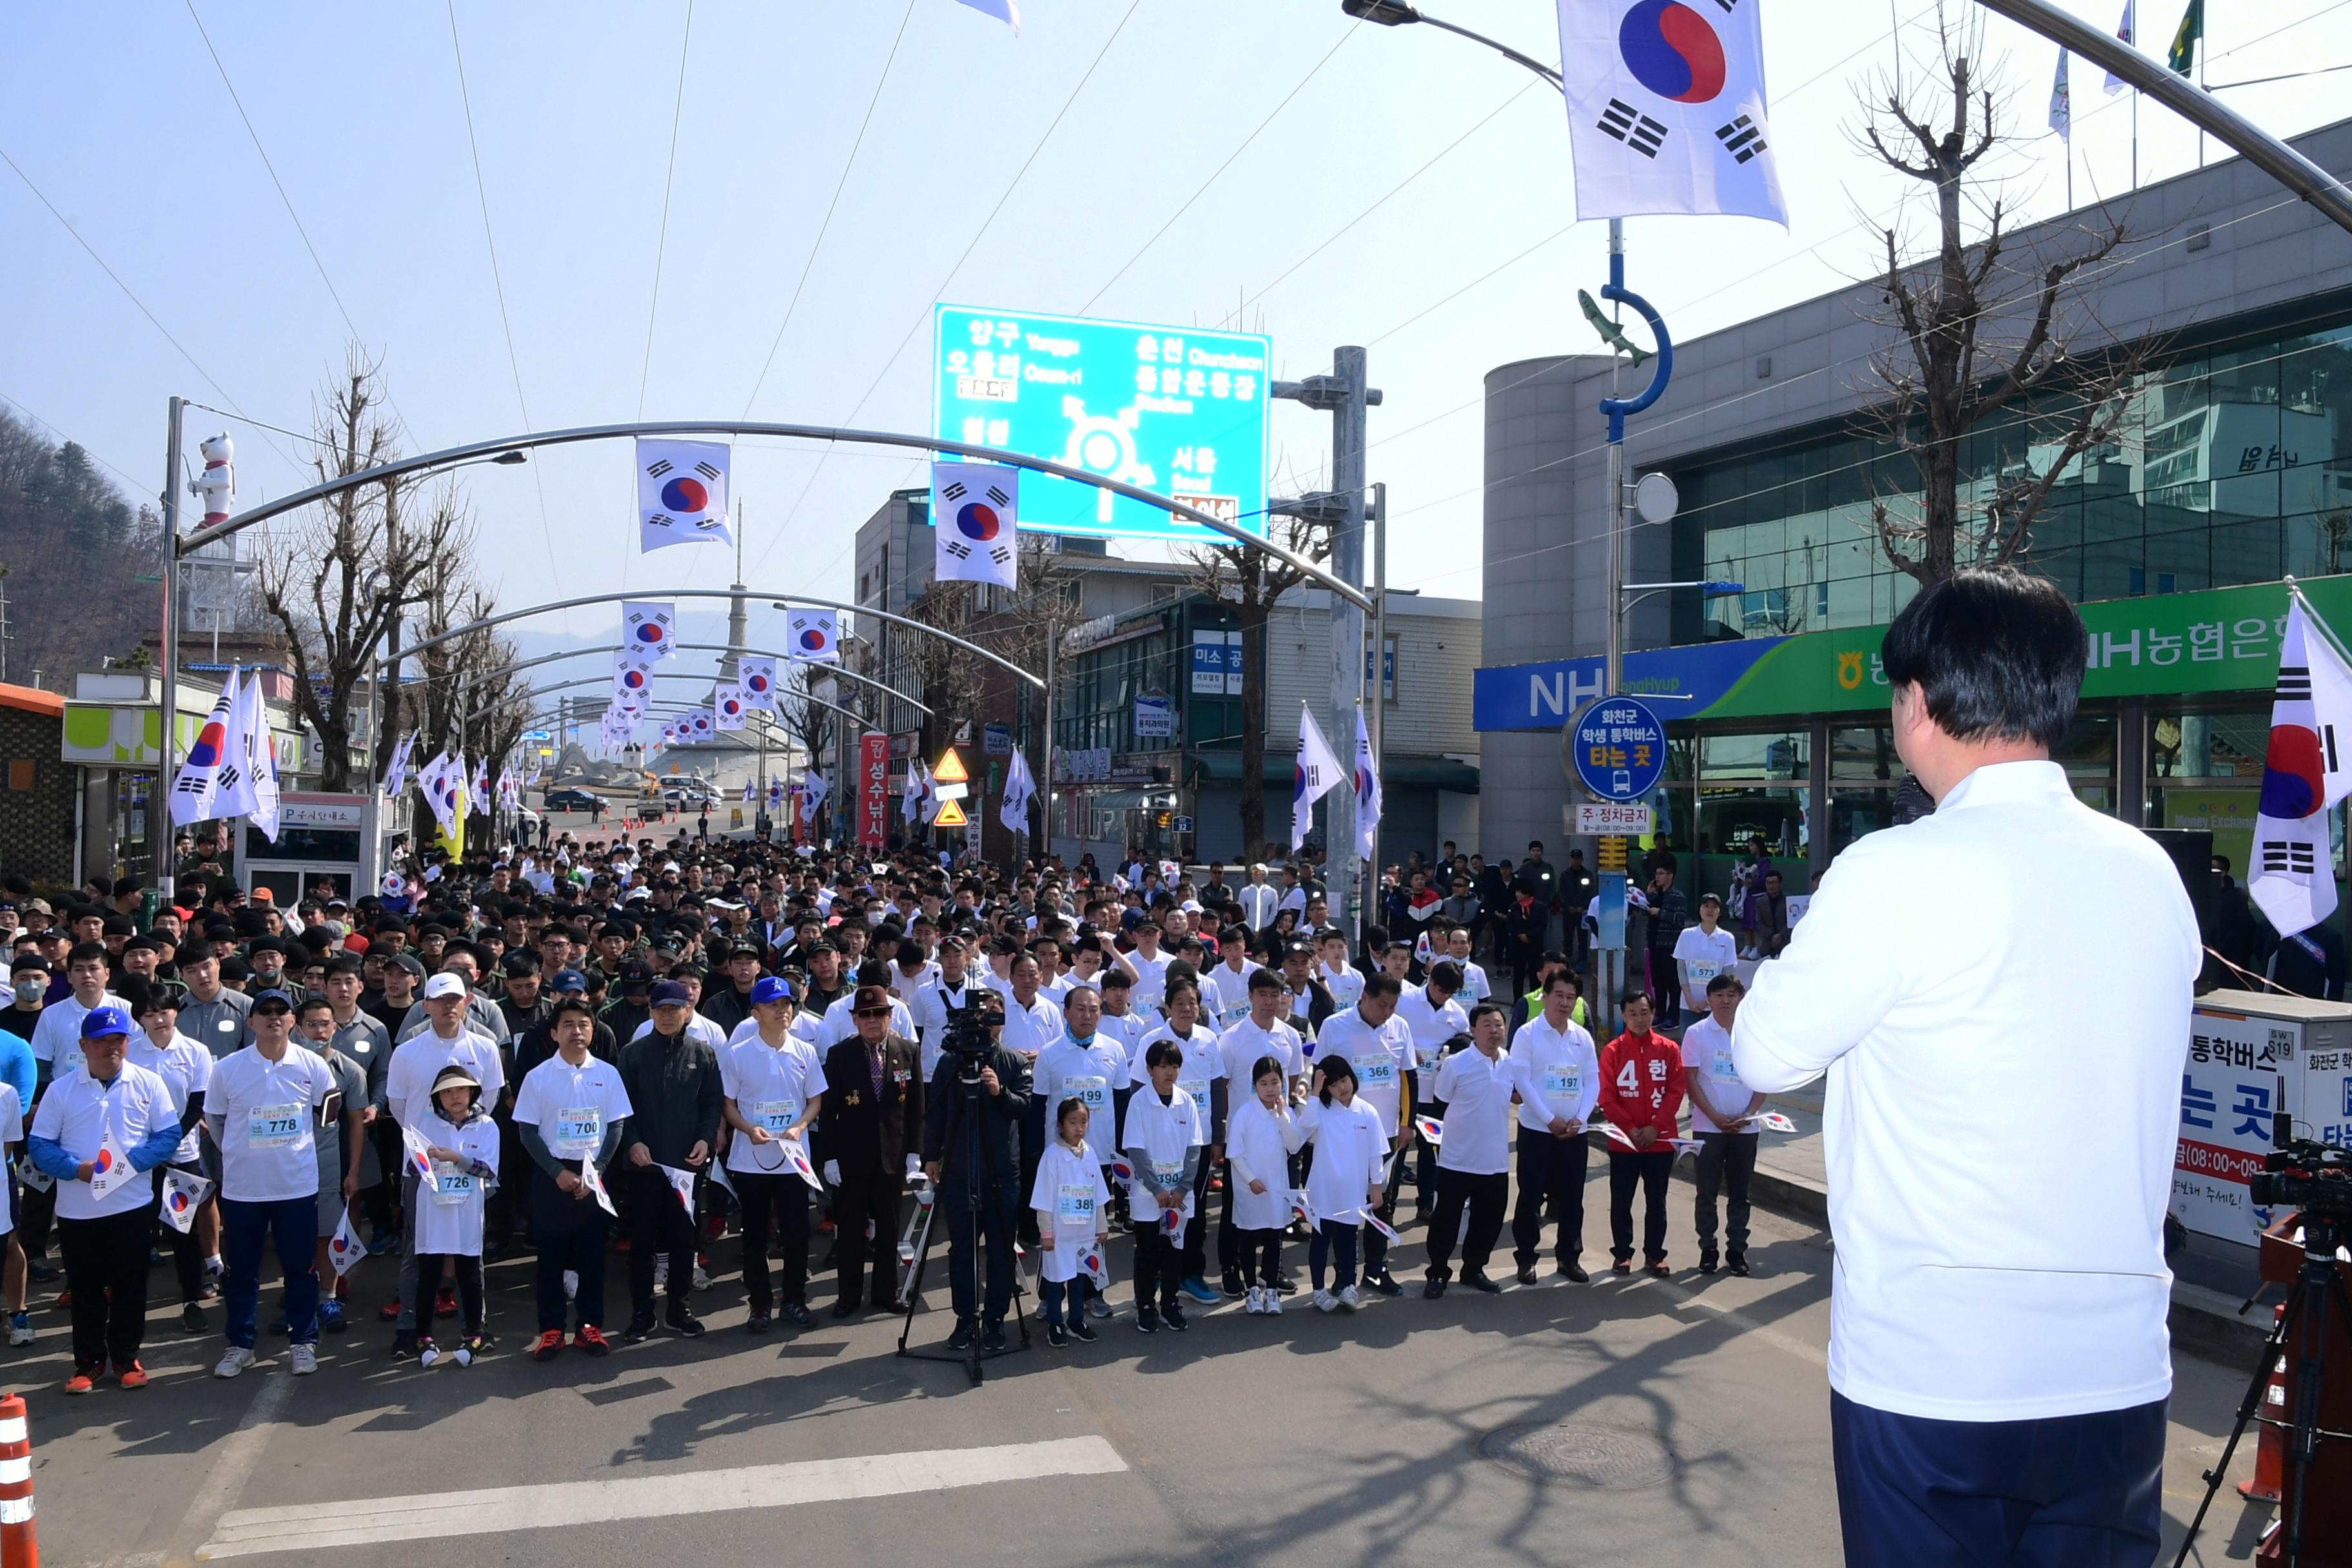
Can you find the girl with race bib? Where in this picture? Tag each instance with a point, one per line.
(462, 1143)
(1258, 1141)
(1072, 1201)
(1344, 1183)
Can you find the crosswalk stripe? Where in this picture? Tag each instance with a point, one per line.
(561, 1504)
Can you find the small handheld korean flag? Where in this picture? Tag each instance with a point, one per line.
(594, 1180)
(184, 1194)
(797, 1158)
(109, 1168)
(1666, 108)
(1376, 1222)
(417, 1154)
(344, 1248)
(756, 679)
(1095, 1267)
(814, 636)
(1317, 773)
(1431, 1128)
(681, 493)
(2305, 771)
(681, 1182)
(1302, 1206)
(649, 627)
(975, 508)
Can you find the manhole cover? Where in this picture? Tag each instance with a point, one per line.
(1601, 1457)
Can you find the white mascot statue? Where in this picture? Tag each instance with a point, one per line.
(217, 484)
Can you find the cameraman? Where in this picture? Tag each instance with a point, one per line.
(977, 1076)
(2000, 1135)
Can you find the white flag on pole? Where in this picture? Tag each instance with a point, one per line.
(815, 637)
(1317, 773)
(1020, 789)
(1665, 108)
(649, 627)
(726, 707)
(1368, 791)
(2307, 768)
(975, 508)
(395, 775)
(814, 789)
(681, 493)
(2062, 102)
(238, 796)
(195, 793)
(265, 767)
(2129, 34)
(917, 791)
(756, 679)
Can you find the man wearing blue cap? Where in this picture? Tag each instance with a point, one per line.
(262, 1108)
(774, 1086)
(99, 1130)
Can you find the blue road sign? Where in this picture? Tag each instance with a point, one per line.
(1619, 747)
(1171, 409)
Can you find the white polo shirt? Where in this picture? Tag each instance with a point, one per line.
(57, 1033)
(1477, 1095)
(1034, 1030)
(1431, 1025)
(265, 1114)
(186, 1069)
(1245, 1044)
(573, 1107)
(1379, 1057)
(75, 1115)
(1706, 1054)
(418, 1060)
(769, 1085)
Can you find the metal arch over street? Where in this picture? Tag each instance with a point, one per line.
(777, 594)
(298, 498)
(831, 670)
(536, 692)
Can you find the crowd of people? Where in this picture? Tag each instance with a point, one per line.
(705, 1055)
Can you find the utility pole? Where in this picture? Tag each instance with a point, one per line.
(166, 863)
(1346, 395)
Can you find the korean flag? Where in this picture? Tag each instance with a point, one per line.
(975, 508)
(681, 493)
(815, 637)
(632, 680)
(680, 1181)
(649, 627)
(756, 679)
(1666, 108)
(727, 707)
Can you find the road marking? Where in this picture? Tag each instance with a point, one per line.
(1748, 1325)
(561, 1504)
(228, 1469)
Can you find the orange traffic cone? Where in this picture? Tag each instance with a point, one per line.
(19, 1546)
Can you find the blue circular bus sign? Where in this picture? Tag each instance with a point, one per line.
(1619, 747)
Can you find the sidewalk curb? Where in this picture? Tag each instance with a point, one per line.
(2202, 1321)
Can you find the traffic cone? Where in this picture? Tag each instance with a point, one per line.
(19, 1546)
(2270, 1441)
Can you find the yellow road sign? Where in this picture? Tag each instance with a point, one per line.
(951, 769)
(950, 814)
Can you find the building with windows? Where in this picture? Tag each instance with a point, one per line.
(2231, 469)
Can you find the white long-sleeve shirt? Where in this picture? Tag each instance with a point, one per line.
(1563, 1064)
(2000, 996)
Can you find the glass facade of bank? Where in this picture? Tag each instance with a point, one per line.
(2234, 465)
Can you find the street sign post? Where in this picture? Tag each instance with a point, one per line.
(1608, 817)
(1619, 748)
(1175, 410)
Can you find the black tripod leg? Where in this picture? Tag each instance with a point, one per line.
(2272, 1348)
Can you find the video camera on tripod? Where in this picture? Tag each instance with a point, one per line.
(966, 1041)
(2303, 1173)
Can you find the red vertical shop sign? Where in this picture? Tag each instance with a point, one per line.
(872, 795)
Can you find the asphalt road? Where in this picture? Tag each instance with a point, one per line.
(1698, 1413)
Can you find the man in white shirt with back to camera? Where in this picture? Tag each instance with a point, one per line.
(2000, 1135)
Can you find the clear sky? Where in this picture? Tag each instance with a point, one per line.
(1270, 161)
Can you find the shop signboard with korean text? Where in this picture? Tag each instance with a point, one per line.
(2250, 1056)
(1179, 411)
(873, 788)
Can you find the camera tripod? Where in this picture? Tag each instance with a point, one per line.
(2317, 1290)
(964, 1125)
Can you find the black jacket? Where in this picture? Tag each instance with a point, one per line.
(872, 1135)
(725, 1007)
(999, 1118)
(674, 1094)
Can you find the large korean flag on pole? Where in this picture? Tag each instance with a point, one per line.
(2305, 771)
(1318, 772)
(1666, 108)
(975, 507)
(681, 493)
(196, 794)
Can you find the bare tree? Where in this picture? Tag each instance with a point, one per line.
(1251, 580)
(1983, 340)
(334, 585)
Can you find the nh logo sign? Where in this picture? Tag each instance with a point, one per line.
(1561, 691)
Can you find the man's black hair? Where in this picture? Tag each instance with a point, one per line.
(1996, 654)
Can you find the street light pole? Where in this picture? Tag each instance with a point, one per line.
(167, 864)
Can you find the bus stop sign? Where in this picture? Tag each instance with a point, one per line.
(1619, 748)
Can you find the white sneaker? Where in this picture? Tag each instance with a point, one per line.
(305, 1359)
(431, 1355)
(1348, 1297)
(1326, 1302)
(571, 1283)
(701, 1279)
(462, 1356)
(1255, 1302)
(1272, 1302)
(233, 1361)
(20, 1330)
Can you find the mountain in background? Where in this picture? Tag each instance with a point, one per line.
(72, 548)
